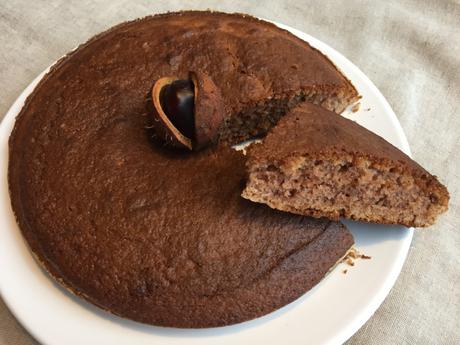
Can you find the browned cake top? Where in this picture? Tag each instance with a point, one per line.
(165, 238)
(150, 234)
(248, 59)
(311, 130)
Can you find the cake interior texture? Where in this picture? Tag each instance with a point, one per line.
(350, 186)
(256, 120)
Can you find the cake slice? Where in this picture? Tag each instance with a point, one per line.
(319, 164)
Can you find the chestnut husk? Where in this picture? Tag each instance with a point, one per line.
(209, 114)
(209, 110)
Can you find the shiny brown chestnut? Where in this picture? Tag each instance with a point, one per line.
(187, 112)
(178, 102)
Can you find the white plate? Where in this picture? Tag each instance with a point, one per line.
(328, 314)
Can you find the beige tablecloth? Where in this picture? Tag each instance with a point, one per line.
(411, 51)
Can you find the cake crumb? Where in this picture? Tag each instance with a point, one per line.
(356, 107)
(344, 271)
(352, 255)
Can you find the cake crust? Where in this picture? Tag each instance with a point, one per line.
(152, 234)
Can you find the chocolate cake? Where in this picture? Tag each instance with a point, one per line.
(322, 165)
(158, 235)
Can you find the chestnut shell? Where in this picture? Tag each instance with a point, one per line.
(209, 110)
(162, 125)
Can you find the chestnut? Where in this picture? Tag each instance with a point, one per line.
(187, 113)
(178, 102)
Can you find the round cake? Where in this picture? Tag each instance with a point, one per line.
(157, 235)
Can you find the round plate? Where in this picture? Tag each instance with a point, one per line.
(328, 314)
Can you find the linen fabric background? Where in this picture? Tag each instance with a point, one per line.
(409, 49)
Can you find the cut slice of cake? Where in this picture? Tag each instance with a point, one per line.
(319, 164)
